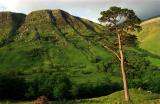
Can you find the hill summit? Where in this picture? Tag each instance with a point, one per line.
(55, 23)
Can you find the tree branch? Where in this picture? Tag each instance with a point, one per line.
(106, 47)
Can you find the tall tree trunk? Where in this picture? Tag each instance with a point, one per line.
(126, 94)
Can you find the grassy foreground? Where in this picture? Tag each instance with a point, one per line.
(137, 97)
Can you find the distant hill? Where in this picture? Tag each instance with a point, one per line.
(149, 37)
(151, 17)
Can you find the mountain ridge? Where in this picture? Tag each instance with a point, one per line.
(53, 22)
(154, 19)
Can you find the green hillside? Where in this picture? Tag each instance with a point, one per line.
(149, 37)
(52, 40)
(47, 45)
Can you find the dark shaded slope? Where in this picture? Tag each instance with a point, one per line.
(9, 23)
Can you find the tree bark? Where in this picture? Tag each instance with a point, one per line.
(126, 93)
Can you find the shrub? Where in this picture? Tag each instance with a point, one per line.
(95, 59)
(52, 86)
(135, 83)
(93, 89)
(151, 81)
(62, 86)
(140, 73)
(36, 53)
(39, 85)
(11, 86)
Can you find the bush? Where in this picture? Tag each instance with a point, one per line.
(36, 53)
(151, 81)
(135, 83)
(140, 73)
(95, 59)
(11, 86)
(38, 86)
(93, 89)
(55, 86)
(62, 86)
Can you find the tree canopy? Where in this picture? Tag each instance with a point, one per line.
(120, 19)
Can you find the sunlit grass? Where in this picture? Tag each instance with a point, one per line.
(149, 37)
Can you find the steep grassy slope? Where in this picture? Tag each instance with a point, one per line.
(149, 37)
(51, 41)
(9, 23)
(36, 57)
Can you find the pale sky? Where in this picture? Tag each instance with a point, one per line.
(89, 9)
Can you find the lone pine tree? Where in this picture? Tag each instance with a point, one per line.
(121, 21)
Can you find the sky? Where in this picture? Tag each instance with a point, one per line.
(89, 9)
